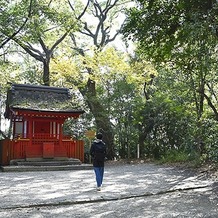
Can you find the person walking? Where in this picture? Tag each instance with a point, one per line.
(98, 154)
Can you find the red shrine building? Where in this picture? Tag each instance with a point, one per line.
(37, 115)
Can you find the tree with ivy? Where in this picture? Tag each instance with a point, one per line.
(99, 27)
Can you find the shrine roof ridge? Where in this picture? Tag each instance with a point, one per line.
(39, 88)
(46, 110)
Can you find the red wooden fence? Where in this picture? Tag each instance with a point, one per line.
(75, 149)
(21, 149)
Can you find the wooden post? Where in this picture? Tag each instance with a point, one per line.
(138, 151)
(30, 132)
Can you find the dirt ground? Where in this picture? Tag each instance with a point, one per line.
(131, 189)
(210, 170)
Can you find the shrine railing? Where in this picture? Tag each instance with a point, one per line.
(17, 148)
(43, 136)
(75, 149)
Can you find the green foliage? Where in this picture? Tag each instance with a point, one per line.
(210, 134)
(12, 17)
(177, 156)
(165, 26)
(48, 20)
(174, 156)
(123, 105)
(181, 38)
(170, 128)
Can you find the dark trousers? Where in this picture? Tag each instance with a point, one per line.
(99, 174)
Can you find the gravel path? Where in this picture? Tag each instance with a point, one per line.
(129, 190)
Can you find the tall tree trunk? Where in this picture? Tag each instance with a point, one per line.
(198, 95)
(212, 106)
(46, 72)
(148, 120)
(141, 141)
(102, 120)
(101, 33)
(144, 130)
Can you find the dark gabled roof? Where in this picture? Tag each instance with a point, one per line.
(39, 98)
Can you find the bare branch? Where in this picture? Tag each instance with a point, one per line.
(59, 40)
(83, 12)
(30, 50)
(212, 91)
(212, 106)
(109, 6)
(101, 34)
(72, 36)
(112, 38)
(88, 30)
(42, 44)
(50, 3)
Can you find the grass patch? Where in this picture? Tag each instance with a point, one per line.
(175, 156)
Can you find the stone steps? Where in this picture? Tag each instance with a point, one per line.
(45, 168)
(48, 163)
(45, 165)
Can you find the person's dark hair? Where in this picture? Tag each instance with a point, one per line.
(99, 135)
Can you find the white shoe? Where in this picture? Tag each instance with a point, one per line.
(98, 188)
